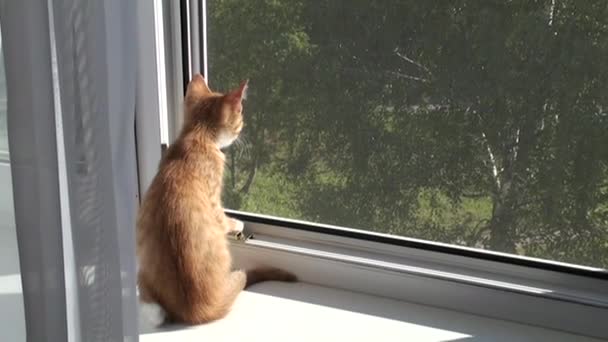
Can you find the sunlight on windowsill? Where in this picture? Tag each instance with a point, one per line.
(12, 323)
(304, 312)
(10, 284)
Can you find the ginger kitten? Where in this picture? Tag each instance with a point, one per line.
(184, 259)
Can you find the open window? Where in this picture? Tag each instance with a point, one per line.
(405, 150)
(422, 121)
(440, 167)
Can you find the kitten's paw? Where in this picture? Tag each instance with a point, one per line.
(152, 313)
(236, 226)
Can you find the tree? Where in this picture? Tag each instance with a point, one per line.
(475, 122)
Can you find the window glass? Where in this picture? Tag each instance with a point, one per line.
(477, 123)
(12, 319)
(3, 126)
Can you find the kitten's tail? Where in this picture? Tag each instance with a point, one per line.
(258, 275)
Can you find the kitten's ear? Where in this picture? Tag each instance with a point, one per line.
(239, 94)
(197, 87)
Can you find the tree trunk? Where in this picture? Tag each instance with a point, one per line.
(232, 170)
(502, 226)
(252, 171)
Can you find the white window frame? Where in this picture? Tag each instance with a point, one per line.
(549, 294)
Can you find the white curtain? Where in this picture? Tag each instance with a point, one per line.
(71, 73)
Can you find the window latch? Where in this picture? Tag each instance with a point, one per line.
(239, 236)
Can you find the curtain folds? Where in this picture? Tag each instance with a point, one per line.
(71, 79)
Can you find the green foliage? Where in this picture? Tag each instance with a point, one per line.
(481, 123)
(272, 194)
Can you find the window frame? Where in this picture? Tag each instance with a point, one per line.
(483, 282)
(4, 154)
(549, 299)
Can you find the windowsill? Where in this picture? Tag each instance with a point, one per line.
(303, 312)
(499, 291)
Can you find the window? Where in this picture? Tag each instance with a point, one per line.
(12, 320)
(3, 125)
(336, 126)
(470, 123)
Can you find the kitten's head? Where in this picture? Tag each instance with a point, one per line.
(220, 114)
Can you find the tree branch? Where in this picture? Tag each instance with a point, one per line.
(232, 169)
(552, 12)
(492, 157)
(252, 172)
(409, 60)
(496, 171)
(409, 77)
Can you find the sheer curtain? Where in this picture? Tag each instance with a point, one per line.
(71, 74)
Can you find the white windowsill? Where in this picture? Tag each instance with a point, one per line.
(499, 291)
(303, 312)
